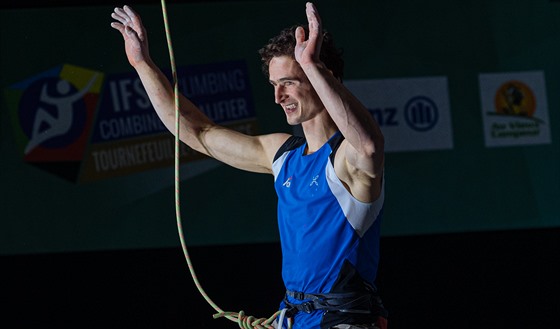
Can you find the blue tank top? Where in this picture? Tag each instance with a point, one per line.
(323, 229)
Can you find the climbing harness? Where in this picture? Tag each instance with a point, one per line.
(346, 302)
(244, 321)
(364, 302)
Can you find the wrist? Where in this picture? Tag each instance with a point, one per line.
(313, 68)
(143, 64)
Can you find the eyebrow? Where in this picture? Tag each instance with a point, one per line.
(284, 79)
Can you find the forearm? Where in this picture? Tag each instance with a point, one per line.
(161, 94)
(349, 114)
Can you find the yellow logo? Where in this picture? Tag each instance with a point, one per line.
(515, 98)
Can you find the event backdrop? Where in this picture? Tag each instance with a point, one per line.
(466, 93)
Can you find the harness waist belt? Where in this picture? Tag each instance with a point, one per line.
(348, 302)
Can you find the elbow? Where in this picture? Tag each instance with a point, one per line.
(374, 146)
(375, 151)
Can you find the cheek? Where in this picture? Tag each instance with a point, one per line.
(304, 92)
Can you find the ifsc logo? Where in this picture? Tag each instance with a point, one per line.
(421, 113)
(53, 113)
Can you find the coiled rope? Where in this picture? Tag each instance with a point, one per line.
(244, 321)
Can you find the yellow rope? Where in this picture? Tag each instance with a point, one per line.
(244, 321)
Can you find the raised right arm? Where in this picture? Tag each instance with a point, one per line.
(252, 153)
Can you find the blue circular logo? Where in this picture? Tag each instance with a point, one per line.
(421, 113)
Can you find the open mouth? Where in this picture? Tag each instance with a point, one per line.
(290, 108)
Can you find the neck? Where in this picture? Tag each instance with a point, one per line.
(317, 133)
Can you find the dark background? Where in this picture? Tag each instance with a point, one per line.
(467, 280)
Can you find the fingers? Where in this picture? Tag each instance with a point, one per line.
(315, 37)
(133, 16)
(129, 10)
(122, 20)
(117, 26)
(313, 19)
(128, 22)
(120, 15)
(126, 16)
(300, 35)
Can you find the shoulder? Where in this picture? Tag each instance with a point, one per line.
(272, 143)
(291, 143)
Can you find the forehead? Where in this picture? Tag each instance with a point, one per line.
(283, 67)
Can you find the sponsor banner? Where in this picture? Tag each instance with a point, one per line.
(220, 90)
(514, 108)
(83, 125)
(125, 111)
(413, 113)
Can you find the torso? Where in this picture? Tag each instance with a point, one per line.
(323, 228)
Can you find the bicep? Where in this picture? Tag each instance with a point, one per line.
(245, 152)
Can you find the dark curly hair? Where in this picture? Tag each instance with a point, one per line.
(284, 43)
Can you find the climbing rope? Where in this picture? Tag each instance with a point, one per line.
(244, 321)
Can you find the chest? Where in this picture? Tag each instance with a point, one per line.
(304, 177)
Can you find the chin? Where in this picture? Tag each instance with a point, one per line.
(292, 122)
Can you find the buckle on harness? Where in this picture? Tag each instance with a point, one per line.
(307, 307)
(298, 295)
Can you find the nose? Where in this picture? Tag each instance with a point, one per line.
(279, 95)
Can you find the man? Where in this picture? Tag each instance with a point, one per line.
(329, 184)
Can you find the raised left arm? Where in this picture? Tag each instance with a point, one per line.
(364, 143)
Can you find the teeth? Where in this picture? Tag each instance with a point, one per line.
(291, 106)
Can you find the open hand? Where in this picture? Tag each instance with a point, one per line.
(307, 51)
(133, 32)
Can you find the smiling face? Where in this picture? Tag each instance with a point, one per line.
(293, 91)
